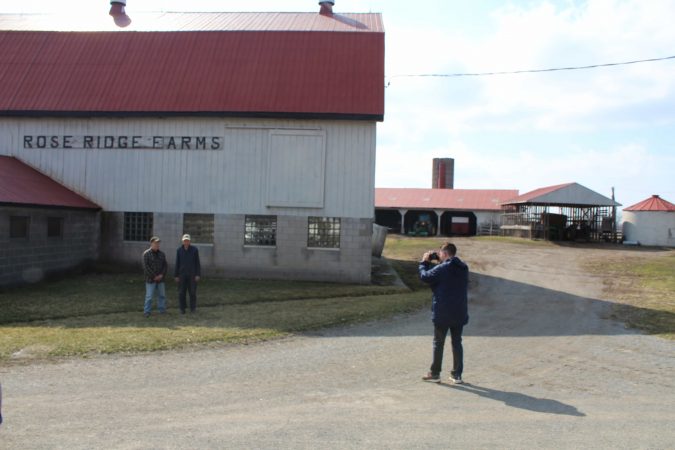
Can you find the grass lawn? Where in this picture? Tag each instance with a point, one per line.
(106, 293)
(102, 313)
(644, 289)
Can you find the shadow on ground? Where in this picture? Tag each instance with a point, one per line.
(498, 307)
(518, 400)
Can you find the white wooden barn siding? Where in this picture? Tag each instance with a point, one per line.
(227, 181)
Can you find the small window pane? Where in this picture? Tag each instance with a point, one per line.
(137, 226)
(18, 227)
(55, 227)
(323, 232)
(260, 230)
(199, 227)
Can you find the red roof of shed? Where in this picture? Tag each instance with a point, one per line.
(300, 65)
(20, 184)
(653, 203)
(456, 199)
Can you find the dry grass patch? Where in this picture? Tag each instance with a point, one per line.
(109, 293)
(644, 289)
(102, 313)
(131, 332)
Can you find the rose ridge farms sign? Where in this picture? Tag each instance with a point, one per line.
(123, 142)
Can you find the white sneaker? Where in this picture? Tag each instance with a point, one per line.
(456, 380)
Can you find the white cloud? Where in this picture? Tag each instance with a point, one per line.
(544, 36)
(632, 168)
(438, 117)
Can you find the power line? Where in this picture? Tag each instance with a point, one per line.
(515, 72)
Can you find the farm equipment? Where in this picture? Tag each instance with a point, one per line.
(423, 226)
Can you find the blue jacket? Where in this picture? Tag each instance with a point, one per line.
(187, 262)
(449, 282)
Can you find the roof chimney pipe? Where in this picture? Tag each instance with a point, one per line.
(326, 7)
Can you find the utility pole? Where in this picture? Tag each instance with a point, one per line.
(613, 217)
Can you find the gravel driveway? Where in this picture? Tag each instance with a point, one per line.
(545, 368)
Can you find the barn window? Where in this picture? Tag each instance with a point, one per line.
(55, 227)
(18, 227)
(199, 227)
(137, 226)
(260, 230)
(323, 232)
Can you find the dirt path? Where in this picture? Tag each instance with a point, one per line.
(546, 368)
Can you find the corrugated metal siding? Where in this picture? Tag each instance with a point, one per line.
(649, 227)
(572, 194)
(228, 181)
(459, 199)
(200, 21)
(254, 72)
(533, 195)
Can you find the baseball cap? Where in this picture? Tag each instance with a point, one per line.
(186, 237)
(155, 239)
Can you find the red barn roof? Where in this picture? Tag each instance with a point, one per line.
(449, 199)
(300, 65)
(653, 203)
(22, 185)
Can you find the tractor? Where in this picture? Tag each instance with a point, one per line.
(423, 226)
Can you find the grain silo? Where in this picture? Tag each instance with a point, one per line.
(650, 222)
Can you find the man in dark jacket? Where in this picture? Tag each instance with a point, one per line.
(449, 282)
(187, 272)
(154, 268)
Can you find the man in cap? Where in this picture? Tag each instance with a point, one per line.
(154, 267)
(187, 272)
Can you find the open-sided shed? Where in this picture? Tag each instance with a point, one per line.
(439, 212)
(561, 212)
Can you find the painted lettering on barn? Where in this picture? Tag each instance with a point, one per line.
(123, 142)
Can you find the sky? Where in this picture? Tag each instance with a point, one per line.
(603, 128)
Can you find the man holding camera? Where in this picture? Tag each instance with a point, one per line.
(449, 280)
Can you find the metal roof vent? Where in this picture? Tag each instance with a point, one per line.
(326, 7)
(118, 13)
